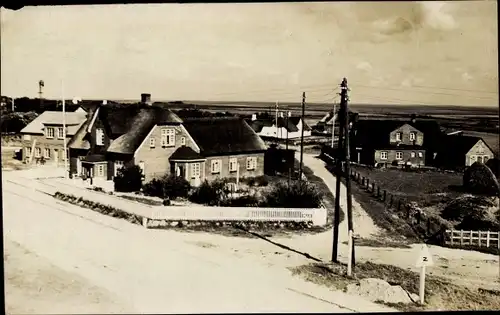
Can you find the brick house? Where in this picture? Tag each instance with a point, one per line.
(394, 142)
(161, 143)
(459, 151)
(45, 135)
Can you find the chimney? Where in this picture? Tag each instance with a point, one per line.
(289, 114)
(413, 118)
(146, 98)
(281, 114)
(254, 117)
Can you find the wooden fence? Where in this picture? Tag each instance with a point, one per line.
(473, 238)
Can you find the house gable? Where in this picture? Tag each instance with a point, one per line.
(405, 132)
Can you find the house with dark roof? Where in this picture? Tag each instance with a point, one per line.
(459, 151)
(281, 127)
(394, 142)
(44, 136)
(161, 143)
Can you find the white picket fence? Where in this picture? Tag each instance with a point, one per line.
(473, 238)
(197, 213)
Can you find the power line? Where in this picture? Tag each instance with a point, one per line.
(428, 92)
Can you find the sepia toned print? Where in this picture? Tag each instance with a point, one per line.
(251, 157)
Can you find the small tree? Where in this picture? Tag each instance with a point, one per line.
(479, 179)
(153, 188)
(300, 194)
(175, 186)
(128, 179)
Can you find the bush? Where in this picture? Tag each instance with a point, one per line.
(494, 165)
(243, 201)
(175, 186)
(153, 188)
(210, 193)
(478, 220)
(256, 181)
(460, 208)
(479, 179)
(128, 179)
(300, 194)
(170, 186)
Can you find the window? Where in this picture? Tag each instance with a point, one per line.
(100, 170)
(251, 163)
(167, 137)
(233, 164)
(152, 142)
(413, 154)
(485, 158)
(50, 132)
(38, 152)
(195, 170)
(472, 159)
(46, 153)
(28, 151)
(118, 165)
(60, 133)
(420, 154)
(412, 136)
(383, 155)
(480, 159)
(399, 155)
(27, 137)
(99, 136)
(183, 141)
(398, 136)
(215, 166)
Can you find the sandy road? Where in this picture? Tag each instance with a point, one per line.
(155, 272)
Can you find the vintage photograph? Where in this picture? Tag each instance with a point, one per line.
(326, 157)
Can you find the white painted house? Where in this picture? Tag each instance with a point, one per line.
(282, 127)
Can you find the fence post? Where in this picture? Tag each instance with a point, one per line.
(470, 238)
(488, 239)
(451, 236)
(428, 225)
(479, 238)
(399, 204)
(368, 183)
(391, 200)
(378, 191)
(461, 237)
(373, 187)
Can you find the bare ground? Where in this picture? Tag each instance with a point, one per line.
(49, 289)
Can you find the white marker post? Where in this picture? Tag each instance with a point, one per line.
(424, 260)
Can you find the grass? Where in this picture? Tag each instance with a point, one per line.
(440, 293)
(426, 187)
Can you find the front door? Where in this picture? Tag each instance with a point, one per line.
(56, 157)
(196, 174)
(79, 166)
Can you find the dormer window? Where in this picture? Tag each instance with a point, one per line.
(50, 132)
(398, 136)
(412, 136)
(60, 133)
(99, 136)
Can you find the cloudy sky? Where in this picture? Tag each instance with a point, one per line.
(408, 52)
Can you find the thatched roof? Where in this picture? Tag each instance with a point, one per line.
(224, 136)
(185, 153)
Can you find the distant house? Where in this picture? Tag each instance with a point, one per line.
(289, 127)
(394, 142)
(156, 139)
(459, 151)
(45, 135)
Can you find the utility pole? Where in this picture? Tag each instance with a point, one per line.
(333, 121)
(350, 241)
(66, 171)
(13, 104)
(302, 136)
(339, 157)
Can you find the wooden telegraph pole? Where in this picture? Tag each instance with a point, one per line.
(350, 241)
(302, 136)
(339, 157)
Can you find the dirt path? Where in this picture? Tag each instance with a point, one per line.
(49, 289)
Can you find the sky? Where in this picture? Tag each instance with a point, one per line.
(429, 53)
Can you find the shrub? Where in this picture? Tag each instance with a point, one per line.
(243, 201)
(300, 194)
(494, 165)
(478, 220)
(262, 180)
(175, 186)
(153, 188)
(210, 193)
(460, 208)
(128, 179)
(479, 179)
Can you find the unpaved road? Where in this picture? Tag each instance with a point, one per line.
(150, 271)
